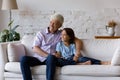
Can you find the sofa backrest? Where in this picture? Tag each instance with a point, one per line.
(27, 41)
(102, 49)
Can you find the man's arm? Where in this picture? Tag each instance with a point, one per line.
(78, 45)
(39, 51)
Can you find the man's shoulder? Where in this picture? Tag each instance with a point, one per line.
(60, 30)
(41, 31)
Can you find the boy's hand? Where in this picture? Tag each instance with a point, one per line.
(75, 58)
(57, 55)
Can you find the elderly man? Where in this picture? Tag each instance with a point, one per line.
(43, 46)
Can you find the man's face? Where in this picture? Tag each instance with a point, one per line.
(54, 26)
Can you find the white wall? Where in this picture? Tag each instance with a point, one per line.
(0, 3)
(0, 15)
(67, 4)
(86, 24)
(87, 17)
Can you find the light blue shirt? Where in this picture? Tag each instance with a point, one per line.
(65, 51)
(47, 42)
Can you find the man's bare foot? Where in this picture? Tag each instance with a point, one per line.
(105, 63)
(85, 63)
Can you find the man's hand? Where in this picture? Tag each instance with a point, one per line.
(39, 51)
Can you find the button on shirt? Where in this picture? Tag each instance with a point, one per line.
(46, 41)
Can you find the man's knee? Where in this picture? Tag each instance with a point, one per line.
(23, 59)
(50, 58)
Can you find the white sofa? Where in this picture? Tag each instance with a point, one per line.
(102, 49)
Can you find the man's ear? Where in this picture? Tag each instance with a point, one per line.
(60, 25)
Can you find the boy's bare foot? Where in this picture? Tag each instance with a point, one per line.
(85, 63)
(105, 63)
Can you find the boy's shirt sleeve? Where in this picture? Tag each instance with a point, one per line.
(58, 47)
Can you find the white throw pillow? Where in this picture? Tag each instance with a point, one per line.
(116, 58)
(15, 52)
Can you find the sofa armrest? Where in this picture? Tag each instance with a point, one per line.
(3, 52)
(4, 57)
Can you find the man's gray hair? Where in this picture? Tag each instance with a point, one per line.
(58, 17)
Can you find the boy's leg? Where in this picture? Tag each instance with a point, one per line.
(105, 62)
(93, 61)
(63, 62)
(84, 63)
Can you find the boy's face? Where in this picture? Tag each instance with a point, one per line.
(64, 36)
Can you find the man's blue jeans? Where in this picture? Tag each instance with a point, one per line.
(51, 62)
(25, 64)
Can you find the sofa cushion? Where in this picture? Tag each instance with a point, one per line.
(14, 67)
(15, 52)
(91, 70)
(75, 70)
(116, 57)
